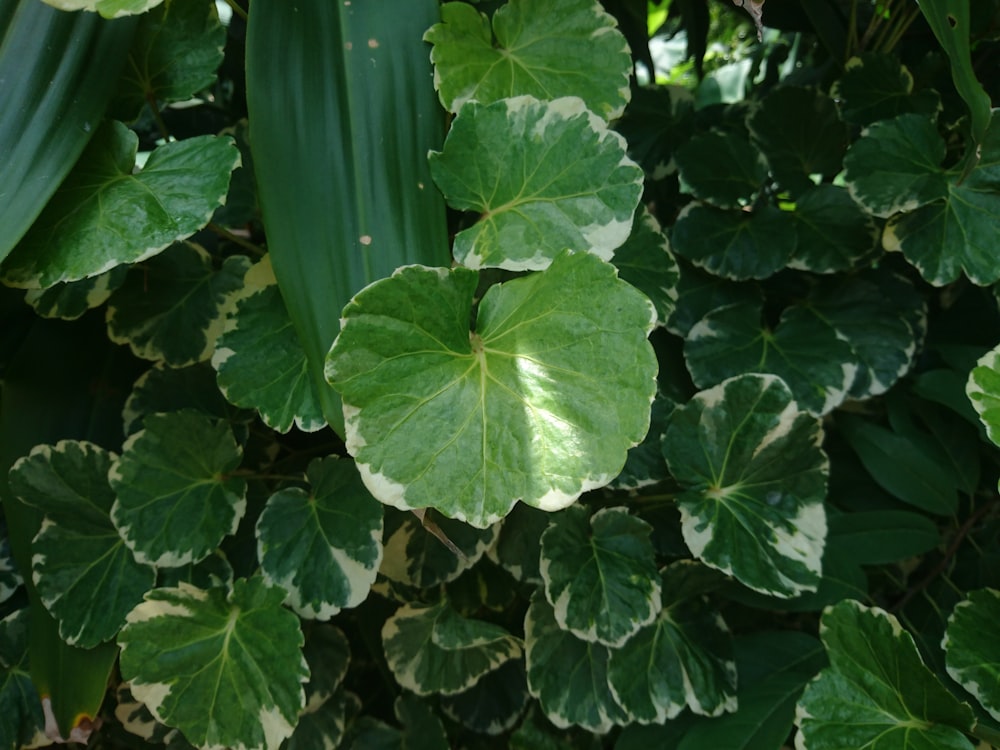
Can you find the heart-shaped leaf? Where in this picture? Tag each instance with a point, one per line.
(584, 55)
(548, 175)
(600, 573)
(471, 422)
(323, 547)
(104, 215)
(176, 501)
(226, 670)
(754, 474)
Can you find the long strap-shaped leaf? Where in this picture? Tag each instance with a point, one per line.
(57, 72)
(342, 114)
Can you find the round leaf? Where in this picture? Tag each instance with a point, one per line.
(568, 676)
(876, 691)
(722, 169)
(494, 704)
(103, 215)
(735, 245)
(260, 361)
(983, 390)
(171, 308)
(683, 659)
(519, 409)
(226, 671)
(432, 649)
(322, 547)
(833, 233)
(600, 573)
(971, 648)
(548, 175)
(876, 86)
(755, 478)
(645, 262)
(524, 53)
(175, 501)
(805, 351)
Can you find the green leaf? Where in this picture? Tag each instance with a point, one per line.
(754, 477)
(103, 215)
(170, 308)
(645, 466)
(70, 300)
(163, 389)
(951, 24)
(583, 55)
(895, 165)
(261, 364)
(800, 134)
(86, 577)
(983, 391)
(655, 120)
(10, 578)
(722, 169)
(569, 677)
(735, 245)
(322, 724)
(805, 351)
(903, 465)
(548, 175)
(225, 670)
(494, 704)
(699, 293)
(645, 262)
(877, 86)
(176, 500)
(683, 659)
(327, 653)
(881, 537)
(600, 573)
(518, 549)
(107, 8)
(323, 547)
(432, 649)
(833, 233)
(68, 480)
(877, 693)
(175, 53)
(517, 410)
(414, 555)
(21, 719)
(971, 649)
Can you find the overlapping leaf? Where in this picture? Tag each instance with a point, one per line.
(805, 351)
(21, 719)
(69, 300)
(433, 649)
(569, 677)
(259, 359)
(548, 175)
(600, 574)
(470, 423)
(832, 232)
(170, 309)
(227, 670)
(324, 546)
(983, 390)
(877, 86)
(645, 262)
(175, 53)
(104, 215)
(683, 659)
(971, 648)
(876, 691)
(175, 498)
(524, 53)
(942, 219)
(754, 479)
(722, 169)
(494, 704)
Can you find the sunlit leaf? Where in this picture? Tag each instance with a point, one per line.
(548, 176)
(225, 670)
(432, 649)
(470, 423)
(754, 475)
(524, 53)
(176, 500)
(600, 573)
(104, 215)
(323, 546)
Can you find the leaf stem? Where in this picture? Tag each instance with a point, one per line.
(987, 734)
(236, 239)
(237, 10)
